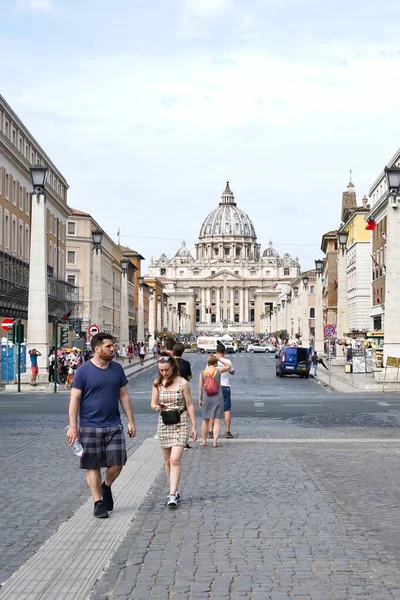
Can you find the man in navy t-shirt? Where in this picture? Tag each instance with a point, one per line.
(98, 387)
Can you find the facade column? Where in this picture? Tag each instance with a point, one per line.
(174, 319)
(225, 300)
(304, 319)
(124, 325)
(246, 305)
(38, 314)
(165, 316)
(218, 304)
(241, 305)
(192, 314)
(151, 315)
(391, 323)
(170, 313)
(140, 325)
(159, 315)
(232, 304)
(203, 305)
(341, 326)
(319, 321)
(208, 300)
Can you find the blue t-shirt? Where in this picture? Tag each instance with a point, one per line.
(33, 358)
(100, 394)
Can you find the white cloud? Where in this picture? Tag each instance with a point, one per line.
(206, 8)
(40, 6)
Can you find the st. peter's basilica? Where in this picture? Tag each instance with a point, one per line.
(230, 284)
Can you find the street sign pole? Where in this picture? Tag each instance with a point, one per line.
(19, 330)
(55, 372)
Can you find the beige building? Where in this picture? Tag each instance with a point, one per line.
(18, 152)
(296, 309)
(81, 271)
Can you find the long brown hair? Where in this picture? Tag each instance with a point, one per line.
(175, 370)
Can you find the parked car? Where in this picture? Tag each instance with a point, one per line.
(270, 348)
(294, 361)
(257, 348)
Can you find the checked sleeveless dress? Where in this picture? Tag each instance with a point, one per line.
(173, 435)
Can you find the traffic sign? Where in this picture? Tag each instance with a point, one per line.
(7, 324)
(329, 330)
(165, 329)
(93, 329)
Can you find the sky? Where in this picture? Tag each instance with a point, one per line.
(147, 108)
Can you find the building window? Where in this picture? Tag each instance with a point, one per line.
(27, 152)
(21, 145)
(236, 272)
(286, 271)
(14, 137)
(213, 318)
(163, 271)
(71, 257)
(181, 272)
(312, 289)
(212, 272)
(71, 228)
(236, 319)
(312, 313)
(50, 223)
(21, 199)
(32, 158)
(197, 315)
(27, 203)
(7, 190)
(7, 130)
(7, 231)
(21, 238)
(71, 279)
(50, 259)
(14, 193)
(14, 235)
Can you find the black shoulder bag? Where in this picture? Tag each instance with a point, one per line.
(172, 417)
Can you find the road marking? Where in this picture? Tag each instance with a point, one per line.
(315, 440)
(301, 405)
(383, 403)
(73, 559)
(258, 404)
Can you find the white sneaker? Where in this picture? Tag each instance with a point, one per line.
(173, 500)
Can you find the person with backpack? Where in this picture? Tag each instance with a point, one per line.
(211, 400)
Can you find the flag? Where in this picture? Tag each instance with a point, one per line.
(371, 224)
(335, 284)
(374, 261)
(67, 316)
(118, 232)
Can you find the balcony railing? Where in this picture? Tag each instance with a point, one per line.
(14, 287)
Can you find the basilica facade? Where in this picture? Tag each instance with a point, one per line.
(230, 284)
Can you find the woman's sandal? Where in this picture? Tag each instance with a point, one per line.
(215, 445)
(203, 443)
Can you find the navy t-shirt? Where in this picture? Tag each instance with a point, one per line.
(100, 394)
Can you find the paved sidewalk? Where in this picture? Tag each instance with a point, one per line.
(353, 382)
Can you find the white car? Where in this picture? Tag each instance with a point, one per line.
(257, 348)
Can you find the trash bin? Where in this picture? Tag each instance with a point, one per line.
(348, 368)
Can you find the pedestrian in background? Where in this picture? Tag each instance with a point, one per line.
(314, 361)
(130, 351)
(185, 369)
(142, 353)
(226, 389)
(33, 354)
(172, 399)
(212, 404)
(98, 387)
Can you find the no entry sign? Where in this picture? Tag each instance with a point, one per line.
(93, 329)
(7, 324)
(329, 330)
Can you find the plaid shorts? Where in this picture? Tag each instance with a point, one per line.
(102, 447)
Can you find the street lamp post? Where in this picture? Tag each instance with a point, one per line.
(38, 313)
(391, 323)
(140, 325)
(124, 326)
(159, 315)
(341, 327)
(97, 296)
(151, 314)
(319, 321)
(304, 322)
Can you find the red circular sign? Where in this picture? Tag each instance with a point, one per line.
(93, 329)
(7, 324)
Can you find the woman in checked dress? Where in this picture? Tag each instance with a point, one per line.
(170, 391)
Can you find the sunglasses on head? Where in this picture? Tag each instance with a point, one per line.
(164, 359)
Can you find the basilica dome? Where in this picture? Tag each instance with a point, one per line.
(227, 220)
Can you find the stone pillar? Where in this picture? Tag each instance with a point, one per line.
(170, 315)
(304, 318)
(38, 314)
(208, 304)
(192, 314)
(124, 325)
(319, 321)
(96, 314)
(232, 304)
(174, 320)
(342, 327)
(203, 305)
(140, 325)
(165, 315)
(391, 324)
(225, 300)
(246, 305)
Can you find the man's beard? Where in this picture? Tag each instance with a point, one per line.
(107, 356)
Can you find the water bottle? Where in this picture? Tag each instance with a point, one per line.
(77, 448)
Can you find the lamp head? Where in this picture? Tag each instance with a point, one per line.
(39, 176)
(124, 265)
(319, 265)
